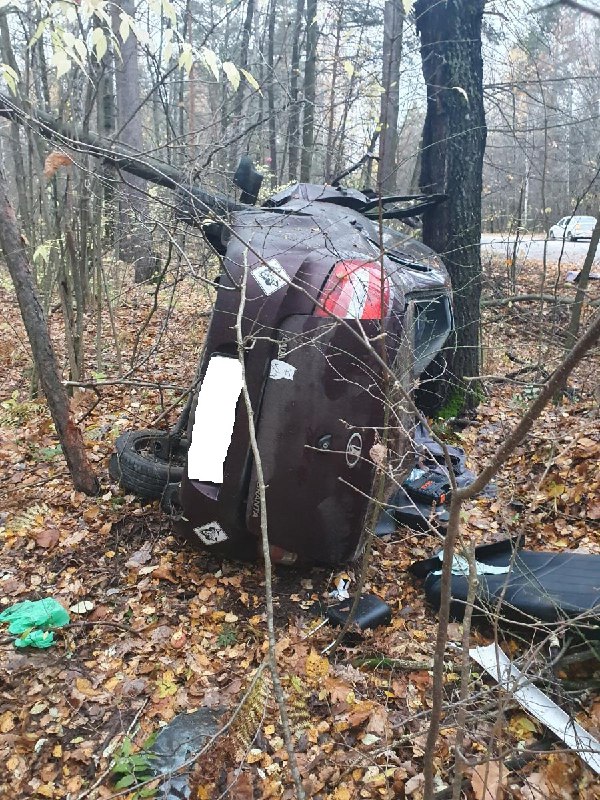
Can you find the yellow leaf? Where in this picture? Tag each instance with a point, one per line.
(212, 62)
(251, 79)
(522, 726)
(186, 59)
(84, 687)
(7, 722)
(61, 61)
(10, 77)
(124, 26)
(317, 667)
(99, 43)
(233, 75)
(169, 12)
(166, 686)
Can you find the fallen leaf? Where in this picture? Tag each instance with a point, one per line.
(164, 573)
(83, 607)
(47, 538)
(487, 779)
(7, 722)
(140, 557)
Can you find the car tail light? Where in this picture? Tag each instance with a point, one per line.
(355, 289)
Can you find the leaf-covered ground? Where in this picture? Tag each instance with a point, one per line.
(168, 630)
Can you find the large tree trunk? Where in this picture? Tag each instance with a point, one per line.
(134, 246)
(393, 22)
(452, 156)
(43, 354)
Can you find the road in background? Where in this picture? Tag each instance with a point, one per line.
(532, 249)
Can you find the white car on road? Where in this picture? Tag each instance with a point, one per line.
(573, 228)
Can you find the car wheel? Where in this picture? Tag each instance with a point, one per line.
(145, 462)
(551, 235)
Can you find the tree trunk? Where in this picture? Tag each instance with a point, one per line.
(294, 116)
(310, 75)
(333, 91)
(393, 22)
(582, 284)
(133, 242)
(15, 139)
(452, 156)
(43, 354)
(238, 102)
(271, 93)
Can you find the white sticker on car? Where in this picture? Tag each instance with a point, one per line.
(214, 419)
(281, 369)
(270, 276)
(211, 533)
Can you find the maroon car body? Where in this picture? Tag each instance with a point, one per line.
(316, 389)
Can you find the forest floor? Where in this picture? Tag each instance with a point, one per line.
(168, 630)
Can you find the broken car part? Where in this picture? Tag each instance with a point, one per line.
(371, 612)
(556, 590)
(539, 705)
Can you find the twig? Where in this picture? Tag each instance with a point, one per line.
(383, 662)
(570, 4)
(105, 773)
(123, 382)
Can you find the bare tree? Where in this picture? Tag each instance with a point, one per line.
(393, 25)
(41, 346)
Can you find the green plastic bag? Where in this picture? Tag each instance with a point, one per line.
(39, 639)
(33, 618)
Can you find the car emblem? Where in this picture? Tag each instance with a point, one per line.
(353, 450)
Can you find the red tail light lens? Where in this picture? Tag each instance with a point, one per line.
(355, 289)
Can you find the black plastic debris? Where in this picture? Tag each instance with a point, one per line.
(423, 499)
(176, 744)
(525, 587)
(371, 612)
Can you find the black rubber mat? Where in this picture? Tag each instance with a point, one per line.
(539, 586)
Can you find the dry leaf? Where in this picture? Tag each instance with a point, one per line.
(54, 161)
(486, 780)
(163, 571)
(47, 538)
(83, 607)
(140, 557)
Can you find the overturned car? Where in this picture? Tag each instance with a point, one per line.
(323, 315)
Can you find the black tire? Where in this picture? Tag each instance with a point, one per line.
(145, 462)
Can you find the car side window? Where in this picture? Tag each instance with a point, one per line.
(432, 323)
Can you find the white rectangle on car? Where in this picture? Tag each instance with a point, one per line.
(214, 419)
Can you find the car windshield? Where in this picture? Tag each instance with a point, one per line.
(584, 219)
